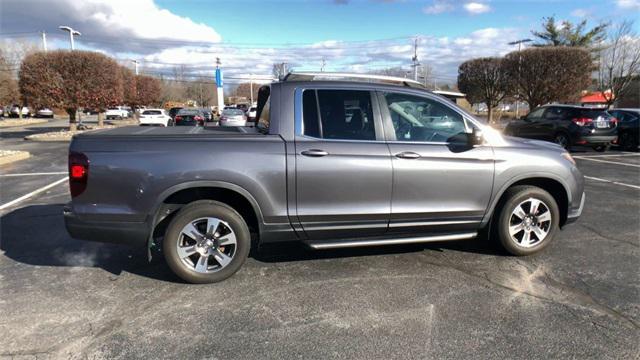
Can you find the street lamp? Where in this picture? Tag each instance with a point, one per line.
(519, 43)
(71, 33)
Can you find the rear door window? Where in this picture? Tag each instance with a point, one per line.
(338, 114)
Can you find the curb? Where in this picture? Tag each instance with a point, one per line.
(16, 156)
(27, 123)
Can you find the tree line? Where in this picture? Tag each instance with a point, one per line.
(72, 80)
(559, 66)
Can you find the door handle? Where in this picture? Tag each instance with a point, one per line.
(408, 155)
(314, 153)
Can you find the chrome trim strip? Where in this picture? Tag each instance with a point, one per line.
(412, 240)
(432, 223)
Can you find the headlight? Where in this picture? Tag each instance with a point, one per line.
(569, 158)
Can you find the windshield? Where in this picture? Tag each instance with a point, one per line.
(151, 112)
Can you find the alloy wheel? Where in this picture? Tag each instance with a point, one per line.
(206, 245)
(530, 223)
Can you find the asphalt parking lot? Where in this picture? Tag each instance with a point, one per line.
(63, 298)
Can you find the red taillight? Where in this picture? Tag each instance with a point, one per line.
(223, 118)
(78, 173)
(582, 121)
(198, 118)
(613, 121)
(178, 118)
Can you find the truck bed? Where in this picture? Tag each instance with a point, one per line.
(197, 131)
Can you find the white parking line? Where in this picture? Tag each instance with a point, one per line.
(31, 194)
(606, 161)
(612, 182)
(610, 155)
(35, 174)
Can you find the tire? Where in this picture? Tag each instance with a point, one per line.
(601, 148)
(627, 142)
(521, 197)
(563, 140)
(197, 215)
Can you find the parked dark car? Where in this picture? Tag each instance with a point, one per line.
(567, 125)
(208, 115)
(189, 117)
(628, 129)
(331, 163)
(173, 111)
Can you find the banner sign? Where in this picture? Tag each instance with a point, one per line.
(219, 78)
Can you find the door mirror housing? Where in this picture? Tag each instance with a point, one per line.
(475, 137)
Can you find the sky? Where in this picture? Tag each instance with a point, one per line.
(336, 35)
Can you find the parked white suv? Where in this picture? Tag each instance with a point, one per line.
(154, 117)
(118, 112)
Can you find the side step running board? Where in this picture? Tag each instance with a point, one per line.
(412, 240)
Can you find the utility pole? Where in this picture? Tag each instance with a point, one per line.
(44, 41)
(136, 62)
(519, 43)
(251, 87)
(323, 65)
(71, 33)
(415, 59)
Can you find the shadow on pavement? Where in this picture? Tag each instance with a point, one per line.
(29, 131)
(35, 235)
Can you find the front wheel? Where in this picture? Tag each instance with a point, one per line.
(206, 242)
(528, 220)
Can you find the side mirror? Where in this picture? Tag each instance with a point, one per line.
(475, 137)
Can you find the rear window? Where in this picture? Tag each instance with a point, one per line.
(593, 113)
(188, 112)
(151, 112)
(338, 114)
(232, 112)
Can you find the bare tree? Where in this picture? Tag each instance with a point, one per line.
(619, 62)
(202, 92)
(12, 52)
(484, 80)
(547, 74)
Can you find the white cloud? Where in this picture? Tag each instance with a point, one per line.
(438, 7)
(110, 24)
(580, 13)
(144, 19)
(629, 4)
(476, 7)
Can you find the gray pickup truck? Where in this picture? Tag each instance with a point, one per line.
(333, 162)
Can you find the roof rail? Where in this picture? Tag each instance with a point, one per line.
(337, 76)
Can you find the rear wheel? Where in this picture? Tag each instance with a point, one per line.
(206, 242)
(627, 142)
(563, 140)
(528, 220)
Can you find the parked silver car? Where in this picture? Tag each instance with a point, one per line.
(233, 117)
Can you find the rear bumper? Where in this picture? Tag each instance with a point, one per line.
(129, 233)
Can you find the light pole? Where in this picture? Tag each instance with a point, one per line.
(519, 43)
(71, 33)
(415, 60)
